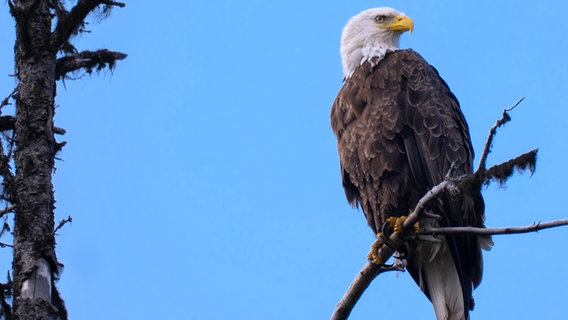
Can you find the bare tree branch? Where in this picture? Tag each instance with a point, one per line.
(62, 223)
(88, 60)
(6, 100)
(4, 244)
(489, 142)
(503, 171)
(70, 22)
(494, 231)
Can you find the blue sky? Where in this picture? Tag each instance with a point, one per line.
(203, 178)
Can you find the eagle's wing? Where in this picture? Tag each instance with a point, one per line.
(438, 140)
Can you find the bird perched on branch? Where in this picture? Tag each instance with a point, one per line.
(400, 131)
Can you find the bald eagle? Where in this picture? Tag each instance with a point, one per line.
(399, 130)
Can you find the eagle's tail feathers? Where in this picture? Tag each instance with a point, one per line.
(444, 286)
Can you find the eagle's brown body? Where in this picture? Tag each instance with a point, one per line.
(399, 130)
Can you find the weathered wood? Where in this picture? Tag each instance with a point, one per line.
(35, 263)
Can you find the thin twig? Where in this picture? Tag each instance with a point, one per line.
(8, 209)
(62, 223)
(6, 100)
(4, 244)
(494, 231)
(489, 142)
(515, 104)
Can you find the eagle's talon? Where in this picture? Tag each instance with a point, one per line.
(391, 221)
(390, 225)
(399, 223)
(373, 255)
(374, 258)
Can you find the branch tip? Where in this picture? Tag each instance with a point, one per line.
(514, 105)
(62, 223)
(492, 132)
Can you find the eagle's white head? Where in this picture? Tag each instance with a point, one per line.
(370, 34)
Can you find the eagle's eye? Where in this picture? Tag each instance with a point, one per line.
(379, 19)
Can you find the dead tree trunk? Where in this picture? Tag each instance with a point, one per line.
(30, 189)
(35, 263)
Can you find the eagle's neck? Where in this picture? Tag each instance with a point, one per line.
(357, 51)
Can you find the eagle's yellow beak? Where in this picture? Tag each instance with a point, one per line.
(401, 24)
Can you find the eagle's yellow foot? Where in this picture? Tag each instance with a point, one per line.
(391, 221)
(373, 255)
(397, 222)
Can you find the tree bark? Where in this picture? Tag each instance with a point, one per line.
(35, 263)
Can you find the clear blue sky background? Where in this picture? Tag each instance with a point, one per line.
(203, 178)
